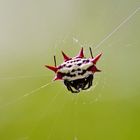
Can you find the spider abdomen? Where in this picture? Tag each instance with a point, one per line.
(77, 72)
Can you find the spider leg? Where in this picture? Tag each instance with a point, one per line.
(91, 52)
(76, 91)
(68, 85)
(85, 83)
(54, 57)
(89, 82)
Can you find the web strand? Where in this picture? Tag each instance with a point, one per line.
(27, 94)
(56, 119)
(22, 77)
(117, 28)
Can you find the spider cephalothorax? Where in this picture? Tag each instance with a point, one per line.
(77, 72)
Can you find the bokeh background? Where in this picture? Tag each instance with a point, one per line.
(31, 32)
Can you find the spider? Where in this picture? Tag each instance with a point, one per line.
(77, 72)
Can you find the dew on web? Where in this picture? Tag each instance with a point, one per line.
(83, 44)
(75, 40)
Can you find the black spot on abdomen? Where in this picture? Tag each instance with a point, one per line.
(82, 73)
(69, 66)
(73, 70)
(70, 75)
(79, 64)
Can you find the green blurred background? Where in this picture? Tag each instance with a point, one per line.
(31, 32)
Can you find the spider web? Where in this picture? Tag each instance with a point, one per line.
(73, 99)
(81, 45)
(98, 95)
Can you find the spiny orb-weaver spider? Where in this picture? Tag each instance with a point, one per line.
(77, 72)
